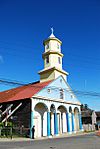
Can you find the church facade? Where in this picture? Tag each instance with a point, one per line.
(53, 107)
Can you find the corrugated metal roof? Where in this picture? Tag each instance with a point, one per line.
(23, 92)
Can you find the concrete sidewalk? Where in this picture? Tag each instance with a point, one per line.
(44, 138)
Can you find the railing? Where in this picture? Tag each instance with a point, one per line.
(10, 132)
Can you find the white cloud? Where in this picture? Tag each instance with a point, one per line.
(1, 59)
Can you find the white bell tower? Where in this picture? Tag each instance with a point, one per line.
(52, 57)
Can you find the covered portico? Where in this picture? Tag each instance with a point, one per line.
(52, 117)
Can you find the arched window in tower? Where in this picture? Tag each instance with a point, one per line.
(61, 94)
(47, 59)
(59, 60)
(47, 46)
(58, 46)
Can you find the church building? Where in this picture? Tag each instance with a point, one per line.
(49, 104)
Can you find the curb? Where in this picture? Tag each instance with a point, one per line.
(44, 138)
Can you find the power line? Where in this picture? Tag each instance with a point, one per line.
(24, 45)
(71, 56)
(86, 58)
(19, 55)
(77, 92)
(82, 56)
(11, 82)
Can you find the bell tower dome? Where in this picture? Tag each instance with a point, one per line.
(52, 57)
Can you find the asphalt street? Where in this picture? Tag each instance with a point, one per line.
(90, 141)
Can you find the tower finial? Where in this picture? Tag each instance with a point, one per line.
(52, 31)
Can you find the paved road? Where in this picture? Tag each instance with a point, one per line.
(77, 142)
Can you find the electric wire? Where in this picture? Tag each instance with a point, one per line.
(75, 56)
(77, 92)
(94, 63)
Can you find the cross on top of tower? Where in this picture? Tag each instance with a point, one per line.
(52, 31)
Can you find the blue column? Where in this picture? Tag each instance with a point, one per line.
(55, 124)
(68, 122)
(73, 122)
(31, 123)
(48, 123)
(80, 122)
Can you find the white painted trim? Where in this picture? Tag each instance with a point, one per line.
(56, 100)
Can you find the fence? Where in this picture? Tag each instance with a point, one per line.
(14, 132)
(88, 127)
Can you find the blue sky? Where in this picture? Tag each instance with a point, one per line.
(24, 24)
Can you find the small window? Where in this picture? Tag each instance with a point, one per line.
(49, 90)
(72, 96)
(57, 46)
(59, 60)
(60, 80)
(47, 59)
(61, 94)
